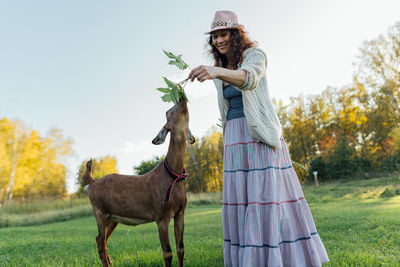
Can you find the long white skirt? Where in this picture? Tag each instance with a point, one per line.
(266, 219)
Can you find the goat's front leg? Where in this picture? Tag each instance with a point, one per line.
(178, 229)
(164, 239)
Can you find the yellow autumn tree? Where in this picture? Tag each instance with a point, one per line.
(14, 136)
(101, 167)
(212, 160)
(31, 166)
(4, 159)
(204, 163)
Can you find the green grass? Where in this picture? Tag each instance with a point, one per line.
(372, 189)
(44, 212)
(44, 205)
(72, 243)
(360, 232)
(358, 221)
(204, 198)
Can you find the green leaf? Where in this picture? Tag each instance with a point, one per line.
(170, 84)
(173, 99)
(182, 65)
(178, 64)
(168, 54)
(182, 94)
(166, 98)
(164, 90)
(176, 95)
(176, 60)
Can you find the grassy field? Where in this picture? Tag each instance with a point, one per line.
(358, 221)
(37, 213)
(72, 243)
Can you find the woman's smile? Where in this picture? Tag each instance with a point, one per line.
(221, 46)
(221, 40)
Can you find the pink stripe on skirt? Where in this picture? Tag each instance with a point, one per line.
(266, 220)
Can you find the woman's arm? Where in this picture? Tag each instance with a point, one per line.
(255, 65)
(203, 73)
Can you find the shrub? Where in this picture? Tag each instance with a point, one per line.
(344, 161)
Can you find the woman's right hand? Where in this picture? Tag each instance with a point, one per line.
(203, 73)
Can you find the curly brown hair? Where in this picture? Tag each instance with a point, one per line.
(239, 43)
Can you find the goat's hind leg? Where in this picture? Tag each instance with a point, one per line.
(164, 239)
(101, 240)
(109, 230)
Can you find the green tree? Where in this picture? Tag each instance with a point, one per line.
(195, 182)
(147, 165)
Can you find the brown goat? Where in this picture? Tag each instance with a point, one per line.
(156, 196)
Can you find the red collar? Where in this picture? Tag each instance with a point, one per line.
(175, 176)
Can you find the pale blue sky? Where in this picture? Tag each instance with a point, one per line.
(91, 68)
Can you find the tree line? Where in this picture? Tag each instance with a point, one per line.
(355, 129)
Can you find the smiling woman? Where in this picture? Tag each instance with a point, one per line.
(266, 219)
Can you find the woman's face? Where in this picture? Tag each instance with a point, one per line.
(221, 40)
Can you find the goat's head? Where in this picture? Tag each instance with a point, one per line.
(177, 124)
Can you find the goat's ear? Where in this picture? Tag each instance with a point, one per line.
(160, 138)
(190, 137)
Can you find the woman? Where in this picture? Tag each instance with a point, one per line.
(266, 220)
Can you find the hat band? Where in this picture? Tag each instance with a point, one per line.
(223, 23)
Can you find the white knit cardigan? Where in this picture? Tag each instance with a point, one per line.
(261, 116)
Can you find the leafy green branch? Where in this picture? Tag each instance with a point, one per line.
(174, 92)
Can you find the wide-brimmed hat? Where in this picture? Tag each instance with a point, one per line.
(224, 20)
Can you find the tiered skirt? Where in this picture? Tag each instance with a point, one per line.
(266, 219)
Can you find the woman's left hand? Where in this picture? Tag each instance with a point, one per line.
(202, 73)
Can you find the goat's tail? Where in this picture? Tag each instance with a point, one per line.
(88, 177)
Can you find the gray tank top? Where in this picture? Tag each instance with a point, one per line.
(234, 96)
